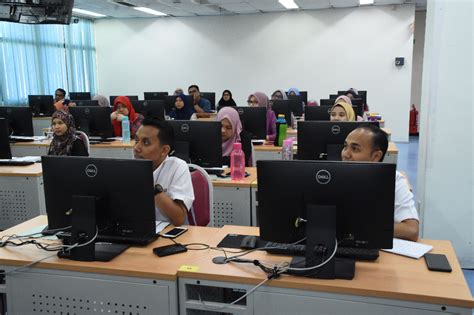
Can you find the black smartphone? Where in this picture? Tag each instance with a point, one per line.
(169, 250)
(437, 262)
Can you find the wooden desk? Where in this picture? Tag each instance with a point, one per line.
(233, 202)
(21, 194)
(391, 285)
(136, 281)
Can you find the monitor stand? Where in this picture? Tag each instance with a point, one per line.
(321, 236)
(84, 228)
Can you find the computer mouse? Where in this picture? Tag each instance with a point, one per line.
(249, 242)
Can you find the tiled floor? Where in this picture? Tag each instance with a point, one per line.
(408, 162)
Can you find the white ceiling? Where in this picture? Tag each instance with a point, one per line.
(218, 7)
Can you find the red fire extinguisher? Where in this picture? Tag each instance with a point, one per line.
(413, 120)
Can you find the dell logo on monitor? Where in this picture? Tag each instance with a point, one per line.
(329, 110)
(241, 111)
(336, 129)
(323, 177)
(184, 127)
(91, 170)
(87, 111)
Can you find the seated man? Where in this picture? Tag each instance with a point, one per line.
(201, 105)
(174, 194)
(370, 143)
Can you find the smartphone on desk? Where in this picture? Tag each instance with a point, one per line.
(177, 231)
(437, 262)
(227, 175)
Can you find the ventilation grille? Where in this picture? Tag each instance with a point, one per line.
(223, 213)
(13, 205)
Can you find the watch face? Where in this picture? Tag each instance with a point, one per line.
(157, 189)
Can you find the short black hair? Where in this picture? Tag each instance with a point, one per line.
(379, 138)
(193, 86)
(165, 133)
(62, 91)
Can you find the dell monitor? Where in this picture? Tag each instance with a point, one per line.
(254, 120)
(92, 194)
(41, 105)
(5, 151)
(323, 140)
(317, 113)
(84, 96)
(154, 95)
(297, 104)
(358, 105)
(326, 102)
(200, 140)
(19, 119)
(282, 107)
(211, 96)
(155, 108)
(93, 120)
(86, 102)
(351, 203)
(130, 97)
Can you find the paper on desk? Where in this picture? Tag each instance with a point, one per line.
(161, 225)
(36, 232)
(28, 158)
(408, 248)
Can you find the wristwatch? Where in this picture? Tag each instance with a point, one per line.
(157, 189)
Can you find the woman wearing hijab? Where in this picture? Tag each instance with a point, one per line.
(345, 99)
(231, 132)
(342, 111)
(103, 101)
(65, 141)
(182, 109)
(226, 99)
(294, 91)
(260, 99)
(123, 107)
(279, 95)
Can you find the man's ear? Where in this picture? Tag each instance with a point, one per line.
(377, 156)
(166, 149)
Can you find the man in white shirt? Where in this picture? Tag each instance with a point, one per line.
(369, 143)
(174, 194)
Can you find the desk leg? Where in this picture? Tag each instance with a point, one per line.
(232, 206)
(253, 197)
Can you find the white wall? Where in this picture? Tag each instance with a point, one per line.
(319, 51)
(417, 67)
(445, 164)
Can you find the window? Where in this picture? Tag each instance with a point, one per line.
(38, 59)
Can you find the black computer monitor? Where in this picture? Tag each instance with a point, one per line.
(304, 95)
(361, 94)
(317, 113)
(20, 120)
(358, 105)
(333, 96)
(86, 102)
(154, 95)
(200, 140)
(154, 108)
(211, 96)
(5, 151)
(92, 192)
(350, 201)
(93, 120)
(41, 105)
(296, 104)
(80, 96)
(254, 120)
(113, 97)
(326, 102)
(321, 140)
(283, 107)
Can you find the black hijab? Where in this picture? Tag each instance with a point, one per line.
(230, 102)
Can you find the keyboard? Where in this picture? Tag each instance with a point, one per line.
(15, 163)
(214, 171)
(368, 254)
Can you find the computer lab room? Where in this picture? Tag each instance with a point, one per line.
(236, 157)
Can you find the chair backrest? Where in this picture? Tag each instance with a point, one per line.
(201, 212)
(84, 139)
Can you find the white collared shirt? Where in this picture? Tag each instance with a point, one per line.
(404, 202)
(174, 176)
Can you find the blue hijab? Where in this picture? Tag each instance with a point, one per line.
(184, 113)
(297, 92)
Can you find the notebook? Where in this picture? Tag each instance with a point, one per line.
(408, 248)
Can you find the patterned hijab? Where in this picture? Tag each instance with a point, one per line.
(62, 145)
(233, 116)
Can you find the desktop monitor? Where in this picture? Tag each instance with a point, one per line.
(80, 96)
(41, 105)
(113, 97)
(93, 192)
(326, 102)
(154, 95)
(200, 140)
(211, 96)
(358, 105)
(86, 102)
(333, 96)
(154, 108)
(5, 151)
(303, 95)
(296, 104)
(254, 120)
(282, 107)
(321, 140)
(362, 95)
(19, 119)
(348, 202)
(93, 120)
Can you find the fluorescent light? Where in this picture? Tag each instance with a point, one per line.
(150, 11)
(366, 2)
(85, 12)
(289, 4)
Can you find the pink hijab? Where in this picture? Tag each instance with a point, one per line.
(233, 116)
(345, 98)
